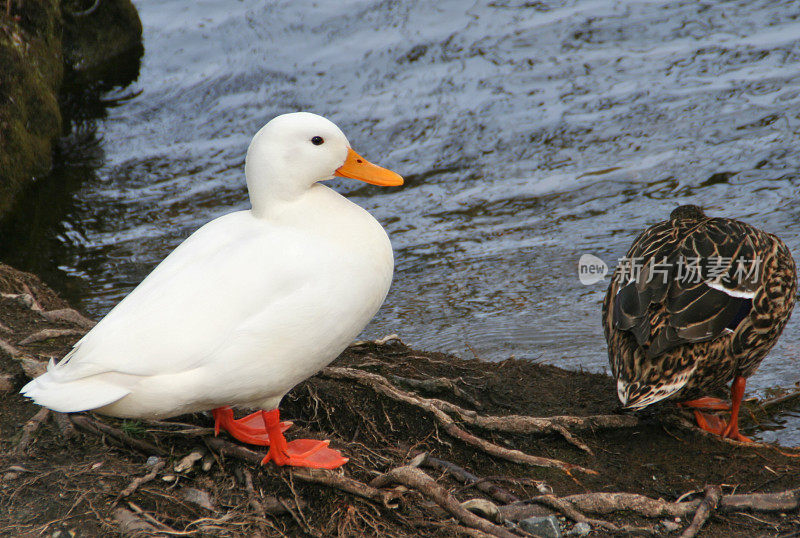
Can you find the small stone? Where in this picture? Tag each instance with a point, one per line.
(544, 527)
(152, 460)
(580, 529)
(485, 509)
(670, 526)
(199, 497)
(11, 476)
(169, 478)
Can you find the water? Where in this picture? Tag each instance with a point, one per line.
(529, 133)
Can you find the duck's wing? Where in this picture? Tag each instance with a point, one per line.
(219, 278)
(696, 283)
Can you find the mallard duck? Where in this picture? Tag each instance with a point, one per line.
(248, 306)
(697, 302)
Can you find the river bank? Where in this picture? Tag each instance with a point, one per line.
(44, 43)
(425, 432)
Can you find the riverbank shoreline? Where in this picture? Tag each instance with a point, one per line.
(43, 43)
(424, 432)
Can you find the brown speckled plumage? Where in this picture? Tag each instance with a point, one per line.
(676, 338)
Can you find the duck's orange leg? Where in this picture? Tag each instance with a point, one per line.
(706, 402)
(300, 452)
(250, 429)
(731, 431)
(712, 423)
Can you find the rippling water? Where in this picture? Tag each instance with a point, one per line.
(529, 133)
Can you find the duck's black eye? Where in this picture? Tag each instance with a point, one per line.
(317, 140)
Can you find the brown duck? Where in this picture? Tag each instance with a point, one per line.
(697, 302)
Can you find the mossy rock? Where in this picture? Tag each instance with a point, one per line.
(97, 33)
(37, 41)
(31, 70)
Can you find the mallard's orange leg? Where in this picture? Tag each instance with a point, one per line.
(713, 424)
(706, 402)
(731, 431)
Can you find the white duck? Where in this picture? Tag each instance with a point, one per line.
(249, 305)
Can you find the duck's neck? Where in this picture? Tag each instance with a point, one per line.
(269, 188)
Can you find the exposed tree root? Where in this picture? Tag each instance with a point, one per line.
(465, 477)
(317, 476)
(417, 479)
(46, 334)
(30, 428)
(131, 524)
(571, 512)
(381, 384)
(134, 485)
(436, 385)
(704, 511)
(96, 427)
(65, 426)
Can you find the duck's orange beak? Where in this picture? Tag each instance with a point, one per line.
(357, 167)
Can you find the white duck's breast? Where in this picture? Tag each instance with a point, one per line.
(243, 310)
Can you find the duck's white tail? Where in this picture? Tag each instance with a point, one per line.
(72, 396)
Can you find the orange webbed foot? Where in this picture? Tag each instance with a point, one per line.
(306, 453)
(251, 429)
(710, 423)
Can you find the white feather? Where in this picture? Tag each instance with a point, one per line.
(248, 306)
(741, 294)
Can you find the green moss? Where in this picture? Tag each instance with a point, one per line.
(31, 69)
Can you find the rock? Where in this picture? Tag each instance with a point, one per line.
(152, 460)
(544, 527)
(199, 497)
(518, 512)
(485, 509)
(580, 529)
(97, 34)
(670, 526)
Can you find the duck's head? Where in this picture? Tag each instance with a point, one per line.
(294, 151)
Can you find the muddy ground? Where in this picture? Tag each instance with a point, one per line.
(68, 481)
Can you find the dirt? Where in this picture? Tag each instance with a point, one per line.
(72, 485)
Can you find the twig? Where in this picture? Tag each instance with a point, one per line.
(46, 334)
(134, 485)
(30, 428)
(779, 400)
(465, 477)
(100, 428)
(257, 507)
(381, 384)
(704, 511)
(417, 479)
